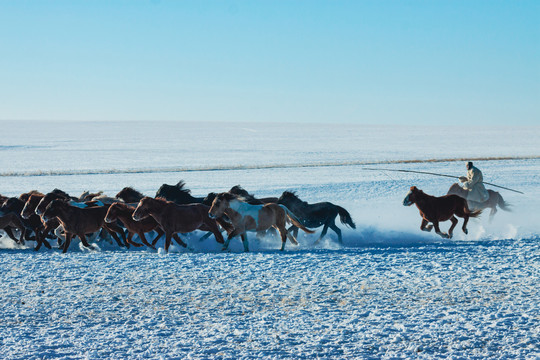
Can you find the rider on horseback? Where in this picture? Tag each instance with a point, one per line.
(474, 184)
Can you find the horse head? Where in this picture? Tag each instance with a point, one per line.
(44, 202)
(411, 196)
(112, 212)
(220, 204)
(30, 206)
(145, 207)
(53, 209)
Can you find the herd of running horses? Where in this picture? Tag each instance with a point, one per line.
(174, 211)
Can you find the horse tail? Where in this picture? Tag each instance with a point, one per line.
(345, 217)
(294, 220)
(503, 204)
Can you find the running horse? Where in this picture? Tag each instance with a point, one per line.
(494, 199)
(247, 217)
(124, 213)
(81, 221)
(174, 218)
(316, 215)
(435, 209)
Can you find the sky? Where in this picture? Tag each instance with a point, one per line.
(368, 62)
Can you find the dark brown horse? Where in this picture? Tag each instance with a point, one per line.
(79, 222)
(494, 199)
(12, 221)
(124, 213)
(174, 218)
(435, 209)
(15, 205)
(29, 210)
(247, 217)
(316, 215)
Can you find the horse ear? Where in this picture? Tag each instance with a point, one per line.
(414, 188)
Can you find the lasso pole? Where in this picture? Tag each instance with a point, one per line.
(443, 175)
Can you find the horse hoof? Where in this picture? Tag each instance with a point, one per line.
(465, 231)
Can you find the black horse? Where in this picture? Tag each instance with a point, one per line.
(129, 195)
(178, 194)
(315, 215)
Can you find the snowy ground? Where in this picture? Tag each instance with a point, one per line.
(390, 291)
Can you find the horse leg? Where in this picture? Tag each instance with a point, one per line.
(9, 233)
(337, 230)
(438, 230)
(160, 233)
(44, 234)
(114, 230)
(465, 221)
(454, 223)
(84, 242)
(167, 241)
(291, 237)
(232, 234)
(179, 241)
(245, 242)
(61, 237)
(115, 237)
(323, 233)
(205, 236)
(284, 235)
(214, 229)
(423, 226)
(493, 212)
(129, 240)
(67, 242)
(144, 241)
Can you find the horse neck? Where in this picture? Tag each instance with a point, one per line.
(422, 200)
(296, 205)
(156, 207)
(124, 213)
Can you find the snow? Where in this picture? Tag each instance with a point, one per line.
(389, 291)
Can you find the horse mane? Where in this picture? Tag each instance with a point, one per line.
(131, 191)
(61, 193)
(242, 194)
(180, 185)
(293, 195)
(27, 195)
(229, 196)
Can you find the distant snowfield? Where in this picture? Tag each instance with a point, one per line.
(390, 291)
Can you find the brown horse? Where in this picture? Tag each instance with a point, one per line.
(434, 209)
(79, 222)
(29, 211)
(12, 220)
(124, 213)
(175, 218)
(259, 218)
(15, 205)
(494, 199)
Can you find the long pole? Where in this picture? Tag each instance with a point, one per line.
(444, 175)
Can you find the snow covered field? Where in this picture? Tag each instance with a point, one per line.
(390, 291)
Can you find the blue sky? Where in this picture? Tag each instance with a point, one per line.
(372, 62)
